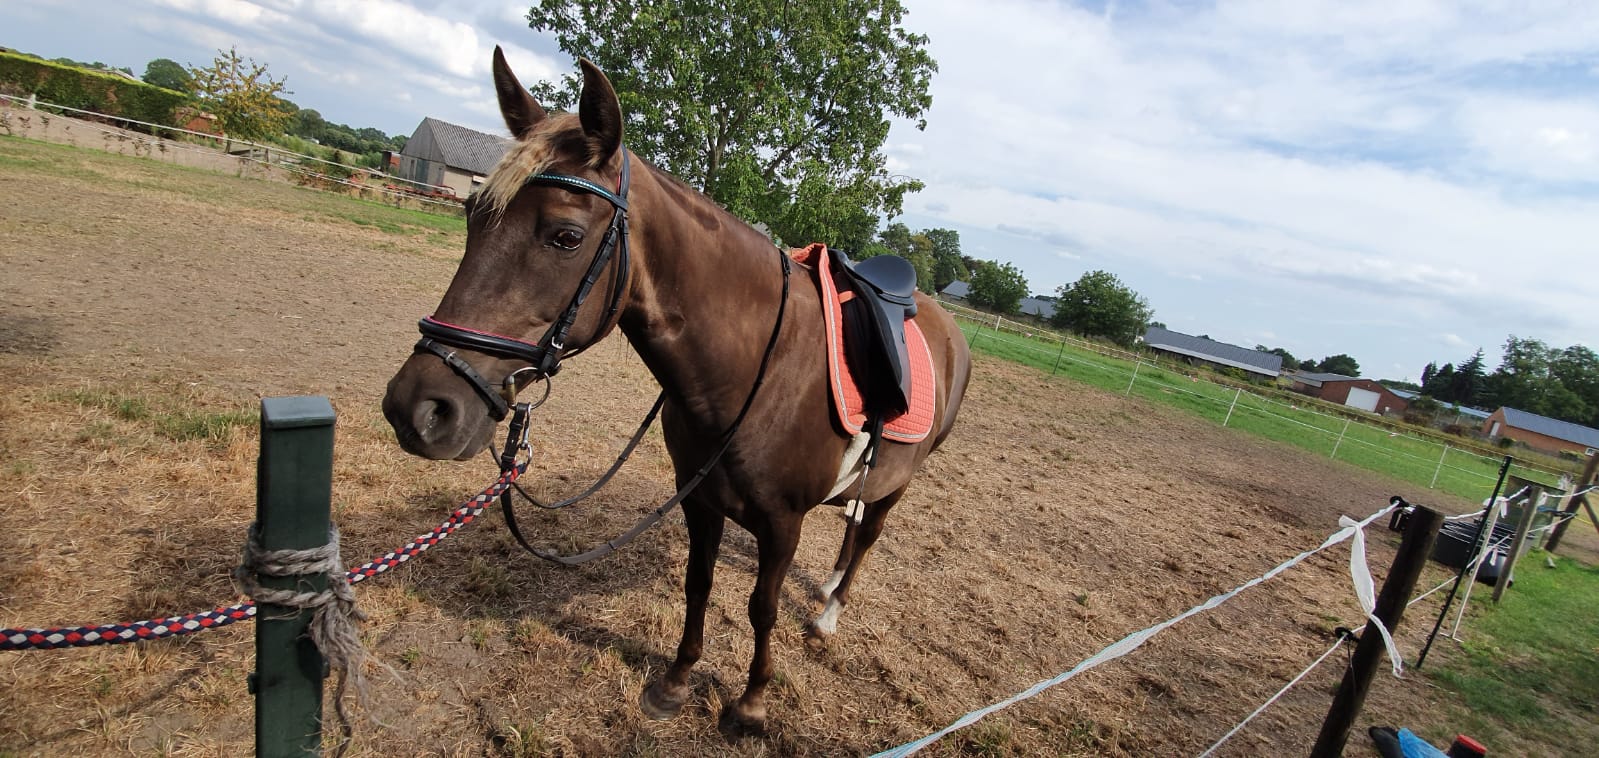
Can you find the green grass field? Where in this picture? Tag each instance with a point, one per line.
(1414, 458)
(1529, 663)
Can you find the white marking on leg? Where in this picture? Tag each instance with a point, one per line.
(827, 623)
(831, 584)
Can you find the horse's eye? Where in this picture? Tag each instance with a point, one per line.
(567, 239)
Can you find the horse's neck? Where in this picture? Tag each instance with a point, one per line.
(705, 298)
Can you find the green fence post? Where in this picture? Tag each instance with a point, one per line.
(294, 493)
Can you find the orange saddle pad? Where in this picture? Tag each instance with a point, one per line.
(917, 421)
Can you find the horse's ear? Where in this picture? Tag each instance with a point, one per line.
(521, 111)
(600, 113)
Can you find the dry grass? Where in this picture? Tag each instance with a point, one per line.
(1056, 520)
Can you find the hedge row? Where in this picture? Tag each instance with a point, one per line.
(88, 90)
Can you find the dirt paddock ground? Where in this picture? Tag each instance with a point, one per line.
(1054, 521)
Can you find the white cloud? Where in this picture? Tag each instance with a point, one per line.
(1355, 176)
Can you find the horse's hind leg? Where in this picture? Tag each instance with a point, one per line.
(850, 559)
(845, 552)
(776, 542)
(664, 699)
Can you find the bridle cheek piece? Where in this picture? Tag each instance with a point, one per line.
(543, 357)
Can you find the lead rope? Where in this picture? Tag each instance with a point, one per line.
(516, 440)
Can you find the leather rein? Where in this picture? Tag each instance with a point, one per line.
(544, 359)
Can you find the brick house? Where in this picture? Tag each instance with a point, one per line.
(1541, 432)
(1354, 392)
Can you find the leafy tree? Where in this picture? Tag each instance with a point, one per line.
(1440, 382)
(1523, 376)
(778, 110)
(1465, 386)
(999, 286)
(1577, 369)
(1288, 358)
(1098, 304)
(1339, 364)
(168, 73)
(1528, 379)
(243, 96)
(1307, 365)
(947, 264)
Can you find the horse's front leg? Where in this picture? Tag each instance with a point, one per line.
(663, 699)
(776, 544)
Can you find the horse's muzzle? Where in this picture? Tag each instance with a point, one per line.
(434, 413)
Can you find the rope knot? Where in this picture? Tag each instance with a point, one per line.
(333, 623)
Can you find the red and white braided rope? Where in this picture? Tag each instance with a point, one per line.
(172, 626)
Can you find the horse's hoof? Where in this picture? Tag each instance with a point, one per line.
(815, 643)
(740, 721)
(658, 705)
(816, 638)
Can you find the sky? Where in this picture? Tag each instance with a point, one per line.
(1402, 181)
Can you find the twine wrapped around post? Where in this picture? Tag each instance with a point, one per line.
(333, 624)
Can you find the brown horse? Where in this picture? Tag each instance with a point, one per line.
(697, 292)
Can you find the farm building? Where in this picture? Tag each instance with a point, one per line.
(445, 155)
(1036, 306)
(1541, 432)
(1203, 350)
(1354, 392)
(1029, 306)
(1458, 414)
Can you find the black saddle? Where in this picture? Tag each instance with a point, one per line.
(874, 323)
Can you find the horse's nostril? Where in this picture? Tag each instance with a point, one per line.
(432, 419)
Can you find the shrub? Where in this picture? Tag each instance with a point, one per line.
(1506, 443)
(89, 90)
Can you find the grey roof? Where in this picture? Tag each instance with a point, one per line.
(958, 289)
(466, 149)
(1318, 379)
(1472, 412)
(1405, 394)
(1216, 352)
(1032, 306)
(1551, 427)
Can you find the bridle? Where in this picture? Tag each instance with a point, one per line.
(544, 357)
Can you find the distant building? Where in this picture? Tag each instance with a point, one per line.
(1541, 432)
(1034, 306)
(957, 290)
(1463, 414)
(1203, 350)
(446, 155)
(1365, 394)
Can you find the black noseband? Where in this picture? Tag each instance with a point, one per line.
(544, 357)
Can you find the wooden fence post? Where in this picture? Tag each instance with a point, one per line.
(1396, 589)
(294, 493)
(1573, 501)
(1523, 525)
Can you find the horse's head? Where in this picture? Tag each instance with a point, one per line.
(547, 229)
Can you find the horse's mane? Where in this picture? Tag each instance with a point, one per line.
(560, 134)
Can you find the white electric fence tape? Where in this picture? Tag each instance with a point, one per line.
(1136, 640)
